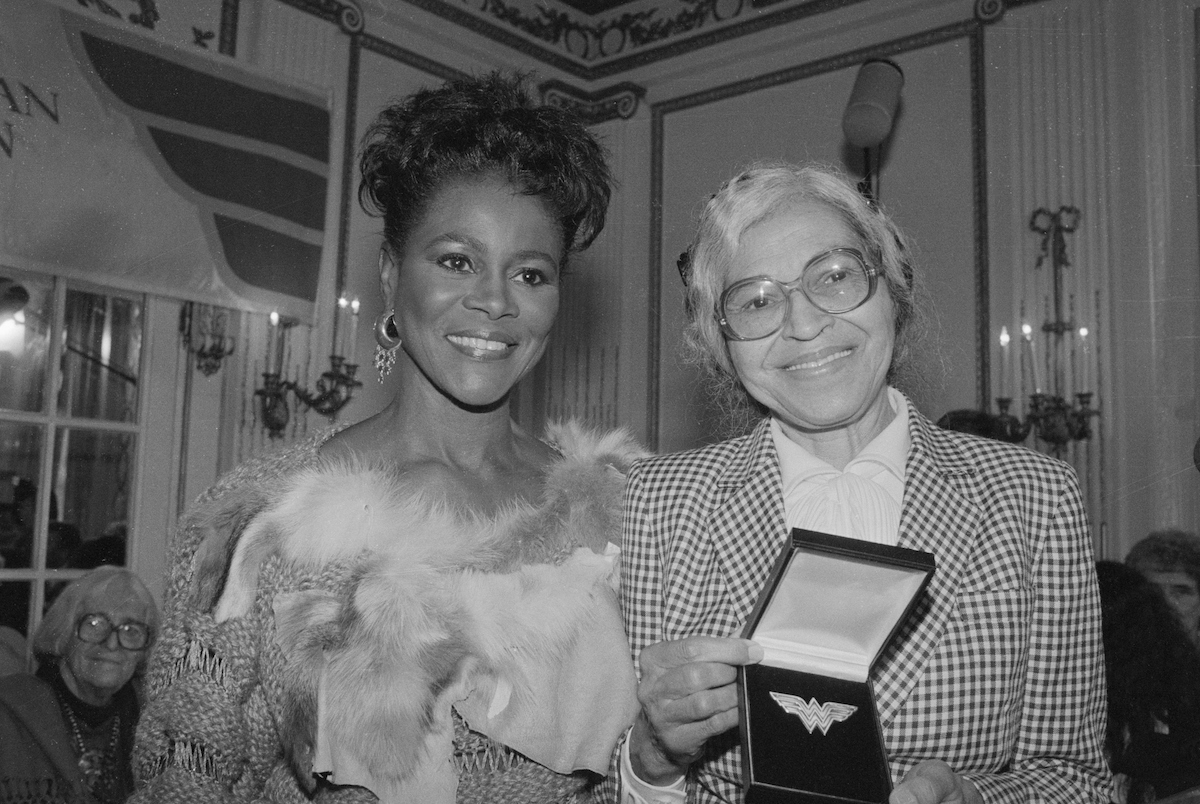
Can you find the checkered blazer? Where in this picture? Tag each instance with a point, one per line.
(998, 670)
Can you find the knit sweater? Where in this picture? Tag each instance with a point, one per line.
(335, 631)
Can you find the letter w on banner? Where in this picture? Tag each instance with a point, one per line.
(156, 169)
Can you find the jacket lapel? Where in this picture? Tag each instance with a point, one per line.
(747, 528)
(938, 515)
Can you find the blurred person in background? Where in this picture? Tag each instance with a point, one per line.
(1170, 559)
(66, 732)
(1153, 670)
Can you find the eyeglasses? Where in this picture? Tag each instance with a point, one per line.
(836, 281)
(95, 628)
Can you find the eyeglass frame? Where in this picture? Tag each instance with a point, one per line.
(789, 288)
(120, 631)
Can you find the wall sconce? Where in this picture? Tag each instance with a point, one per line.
(202, 328)
(870, 115)
(335, 387)
(1062, 412)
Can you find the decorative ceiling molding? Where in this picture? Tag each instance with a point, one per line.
(641, 32)
(617, 102)
(620, 36)
(146, 16)
(346, 13)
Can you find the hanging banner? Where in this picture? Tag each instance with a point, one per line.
(153, 168)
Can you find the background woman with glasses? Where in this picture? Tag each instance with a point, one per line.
(800, 300)
(66, 733)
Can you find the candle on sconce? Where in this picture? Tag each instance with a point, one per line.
(354, 305)
(339, 341)
(1005, 362)
(1027, 331)
(280, 342)
(272, 337)
(1086, 359)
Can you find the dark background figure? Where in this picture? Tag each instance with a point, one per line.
(64, 539)
(1171, 560)
(107, 548)
(14, 651)
(1153, 670)
(16, 524)
(16, 549)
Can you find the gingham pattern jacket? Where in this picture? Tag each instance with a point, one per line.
(998, 670)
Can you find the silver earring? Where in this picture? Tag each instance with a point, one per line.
(384, 360)
(387, 341)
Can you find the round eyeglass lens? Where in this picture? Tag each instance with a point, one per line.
(837, 283)
(756, 308)
(95, 628)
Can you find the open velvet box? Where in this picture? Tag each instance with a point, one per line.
(810, 732)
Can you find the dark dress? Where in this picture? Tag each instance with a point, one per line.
(56, 748)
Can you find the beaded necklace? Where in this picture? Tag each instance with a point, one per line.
(97, 765)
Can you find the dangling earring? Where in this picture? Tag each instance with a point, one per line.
(387, 340)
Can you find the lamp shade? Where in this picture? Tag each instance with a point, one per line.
(871, 111)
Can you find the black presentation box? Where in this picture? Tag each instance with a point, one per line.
(810, 732)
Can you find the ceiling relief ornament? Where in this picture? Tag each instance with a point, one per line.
(346, 13)
(988, 11)
(618, 101)
(605, 38)
(145, 16)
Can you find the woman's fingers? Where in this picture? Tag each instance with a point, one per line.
(666, 702)
(679, 652)
(688, 696)
(687, 679)
(933, 782)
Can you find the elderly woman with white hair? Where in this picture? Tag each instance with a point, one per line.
(800, 297)
(66, 733)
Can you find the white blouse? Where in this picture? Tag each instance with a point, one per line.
(861, 502)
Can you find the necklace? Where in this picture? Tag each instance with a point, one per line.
(94, 763)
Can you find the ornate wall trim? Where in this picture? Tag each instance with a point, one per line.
(983, 322)
(345, 13)
(616, 102)
(349, 147)
(227, 40)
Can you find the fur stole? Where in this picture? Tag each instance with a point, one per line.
(510, 618)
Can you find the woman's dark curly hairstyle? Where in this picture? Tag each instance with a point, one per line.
(479, 126)
(1153, 669)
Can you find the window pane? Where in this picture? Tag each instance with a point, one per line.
(14, 605)
(93, 474)
(25, 306)
(101, 355)
(51, 592)
(20, 457)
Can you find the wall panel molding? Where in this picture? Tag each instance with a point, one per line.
(1052, 79)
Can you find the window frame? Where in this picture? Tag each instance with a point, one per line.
(51, 420)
